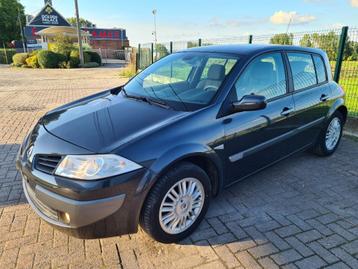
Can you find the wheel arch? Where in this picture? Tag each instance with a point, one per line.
(338, 105)
(200, 155)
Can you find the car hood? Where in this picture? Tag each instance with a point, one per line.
(105, 122)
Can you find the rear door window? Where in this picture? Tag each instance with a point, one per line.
(320, 68)
(303, 70)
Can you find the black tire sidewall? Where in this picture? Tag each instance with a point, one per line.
(183, 170)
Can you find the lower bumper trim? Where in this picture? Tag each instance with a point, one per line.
(82, 213)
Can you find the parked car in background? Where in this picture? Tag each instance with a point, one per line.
(156, 150)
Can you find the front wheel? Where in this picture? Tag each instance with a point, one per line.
(177, 203)
(330, 136)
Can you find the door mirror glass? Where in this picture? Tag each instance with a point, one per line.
(249, 103)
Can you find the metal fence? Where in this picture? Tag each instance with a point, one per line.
(341, 46)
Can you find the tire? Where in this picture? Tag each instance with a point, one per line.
(322, 146)
(152, 208)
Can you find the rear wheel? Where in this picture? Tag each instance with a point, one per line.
(330, 136)
(177, 203)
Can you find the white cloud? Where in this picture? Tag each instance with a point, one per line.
(354, 3)
(283, 17)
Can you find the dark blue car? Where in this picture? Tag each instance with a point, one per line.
(156, 150)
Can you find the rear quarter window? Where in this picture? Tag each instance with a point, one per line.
(320, 68)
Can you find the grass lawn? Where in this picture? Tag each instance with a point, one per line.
(349, 82)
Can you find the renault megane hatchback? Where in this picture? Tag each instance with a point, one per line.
(156, 150)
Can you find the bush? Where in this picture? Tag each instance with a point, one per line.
(74, 60)
(89, 65)
(19, 59)
(6, 55)
(128, 71)
(86, 56)
(62, 45)
(95, 57)
(48, 59)
(32, 61)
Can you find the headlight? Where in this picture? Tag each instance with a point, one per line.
(94, 166)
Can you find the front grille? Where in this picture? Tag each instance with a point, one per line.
(47, 163)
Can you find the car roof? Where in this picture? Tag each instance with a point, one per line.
(251, 49)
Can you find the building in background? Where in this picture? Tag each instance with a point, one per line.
(48, 17)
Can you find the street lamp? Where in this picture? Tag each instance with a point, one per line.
(154, 11)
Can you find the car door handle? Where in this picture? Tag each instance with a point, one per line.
(324, 97)
(286, 111)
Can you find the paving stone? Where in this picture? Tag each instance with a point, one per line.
(288, 230)
(311, 262)
(267, 263)
(286, 256)
(352, 247)
(322, 252)
(338, 265)
(332, 241)
(309, 236)
(263, 250)
(345, 257)
(299, 246)
(247, 261)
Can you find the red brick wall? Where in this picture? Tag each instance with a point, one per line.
(109, 44)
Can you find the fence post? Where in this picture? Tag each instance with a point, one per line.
(171, 47)
(139, 56)
(250, 39)
(199, 42)
(340, 54)
(152, 49)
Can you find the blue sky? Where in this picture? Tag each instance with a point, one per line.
(190, 19)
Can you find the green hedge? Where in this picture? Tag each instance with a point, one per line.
(19, 59)
(94, 57)
(6, 55)
(48, 59)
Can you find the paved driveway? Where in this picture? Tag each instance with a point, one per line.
(300, 213)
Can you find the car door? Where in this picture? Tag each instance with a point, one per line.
(255, 139)
(311, 94)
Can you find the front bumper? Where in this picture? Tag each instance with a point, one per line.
(68, 213)
(85, 209)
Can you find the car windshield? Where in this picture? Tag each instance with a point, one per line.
(183, 81)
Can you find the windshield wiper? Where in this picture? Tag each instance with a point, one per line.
(145, 99)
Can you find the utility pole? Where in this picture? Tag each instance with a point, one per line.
(79, 33)
(155, 31)
(22, 34)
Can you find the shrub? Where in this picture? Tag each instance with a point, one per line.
(6, 55)
(19, 59)
(86, 57)
(95, 57)
(128, 71)
(74, 60)
(89, 65)
(62, 45)
(48, 59)
(32, 61)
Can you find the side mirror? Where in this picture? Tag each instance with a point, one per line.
(249, 103)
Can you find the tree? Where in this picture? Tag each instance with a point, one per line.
(282, 39)
(83, 22)
(10, 12)
(63, 45)
(161, 50)
(192, 44)
(327, 42)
